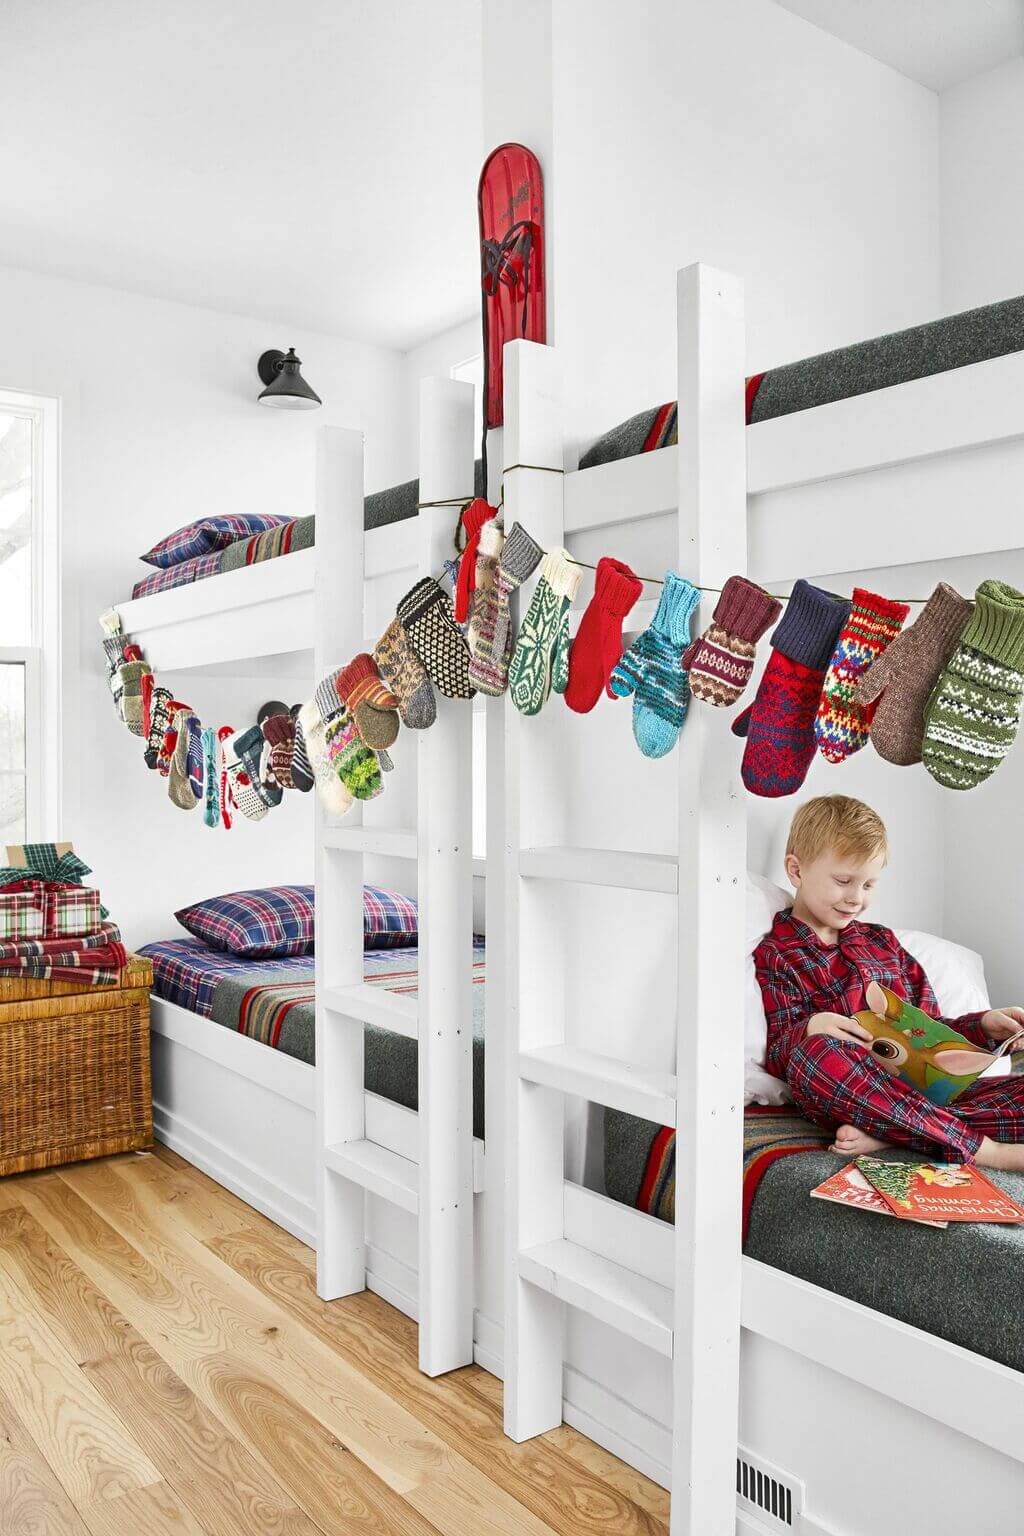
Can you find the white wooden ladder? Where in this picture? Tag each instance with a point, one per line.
(432, 1174)
(565, 1244)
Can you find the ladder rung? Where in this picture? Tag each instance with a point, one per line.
(602, 866)
(636, 1306)
(388, 842)
(603, 1080)
(374, 1005)
(377, 1170)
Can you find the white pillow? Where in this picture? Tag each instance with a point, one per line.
(956, 974)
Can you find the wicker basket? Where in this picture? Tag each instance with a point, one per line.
(74, 1069)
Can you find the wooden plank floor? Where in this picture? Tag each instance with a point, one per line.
(167, 1368)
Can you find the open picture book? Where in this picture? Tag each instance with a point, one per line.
(926, 1053)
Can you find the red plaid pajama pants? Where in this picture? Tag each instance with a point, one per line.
(835, 1083)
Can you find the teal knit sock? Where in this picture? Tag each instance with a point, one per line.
(652, 670)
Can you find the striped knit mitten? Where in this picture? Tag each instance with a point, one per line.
(652, 670)
(490, 624)
(352, 760)
(721, 660)
(779, 725)
(841, 724)
(972, 716)
(242, 764)
(406, 676)
(159, 720)
(334, 796)
(211, 797)
(898, 684)
(375, 707)
(426, 615)
(598, 644)
(301, 767)
(475, 518)
(540, 660)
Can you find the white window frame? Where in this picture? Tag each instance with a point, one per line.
(41, 657)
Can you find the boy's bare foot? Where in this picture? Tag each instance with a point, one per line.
(851, 1141)
(1006, 1155)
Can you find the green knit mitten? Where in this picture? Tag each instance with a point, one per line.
(353, 761)
(540, 660)
(972, 716)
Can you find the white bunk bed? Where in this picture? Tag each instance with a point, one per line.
(799, 1371)
(303, 1144)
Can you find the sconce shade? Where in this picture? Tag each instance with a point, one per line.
(285, 387)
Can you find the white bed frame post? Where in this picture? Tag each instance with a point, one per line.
(445, 890)
(712, 869)
(535, 958)
(338, 631)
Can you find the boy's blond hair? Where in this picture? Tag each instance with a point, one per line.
(839, 824)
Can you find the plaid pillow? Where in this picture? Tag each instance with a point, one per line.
(278, 921)
(206, 534)
(179, 575)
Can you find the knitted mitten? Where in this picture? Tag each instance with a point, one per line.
(130, 675)
(474, 518)
(159, 720)
(481, 607)
(426, 615)
(652, 670)
(375, 708)
(242, 764)
(147, 685)
(403, 672)
(179, 779)
(194, 760)
(972, 716)
(899, 682)
(169, 744)
(779, 725)
(228, 804)
(279, 734)
(211, 799)
(721, 660)
(540, 660)
(598, 644)
(354, 763)
(301, 767)
(841, 725)
(114, 657)
(327, 698)
(490, 625)
(335, 798)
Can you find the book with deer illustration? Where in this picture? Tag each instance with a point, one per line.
(924, 1052)
(939, 1191)
(850, 1187)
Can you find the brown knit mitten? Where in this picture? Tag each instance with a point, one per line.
(903, 677)
(279, 733)
(374, 707)
(406, 676)
(721, 661)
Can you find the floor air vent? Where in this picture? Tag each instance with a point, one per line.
(775, 1499)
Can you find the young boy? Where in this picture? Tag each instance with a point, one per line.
(813, 968)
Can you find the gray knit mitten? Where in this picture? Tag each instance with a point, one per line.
(131, 674)
(902, 678)
(490, 627)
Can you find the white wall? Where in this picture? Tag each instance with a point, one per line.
(982, 135)
(160, 425)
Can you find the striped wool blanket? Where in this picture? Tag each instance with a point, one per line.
(769, 1132)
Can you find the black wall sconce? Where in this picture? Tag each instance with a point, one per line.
(286, 389)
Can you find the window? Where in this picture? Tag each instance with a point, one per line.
(471, 371)
(29, 620)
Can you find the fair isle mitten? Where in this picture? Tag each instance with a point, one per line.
(492, 540)
(334, 796)
(972, 716)
(779, 725)
(242, 764)
(211, 795)
(900, 681)
(301, 767)
(841, 725)
(540, 661)
(327, 698)
(490, 625)
(403, 672)
(169, 744)
(474, 518)
(721, 660)
(130, 675)
(279, 734)
(652, 669)
(375, 707)
(426, 615)
(597, 647)
(228, 804)
(179, 787)
(159, 720)
(269, 787)
(352, 760)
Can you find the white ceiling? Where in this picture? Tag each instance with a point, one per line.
(311, 161)
(936, 42)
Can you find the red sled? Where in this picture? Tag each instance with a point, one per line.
(510, 200)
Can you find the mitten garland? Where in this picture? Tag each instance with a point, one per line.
(779, 725)
(598, 644)
(973, 714)
(540, 661)
(898, 684)
(841, 724)
(652, 670)
(490, 629)
(721, 661)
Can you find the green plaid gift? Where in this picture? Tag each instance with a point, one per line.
(21, 914)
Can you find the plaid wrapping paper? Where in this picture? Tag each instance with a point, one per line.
(21, 912)
(43, 909)
(96, 959)
(42, 861)
(208, 535)
(178, 575)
